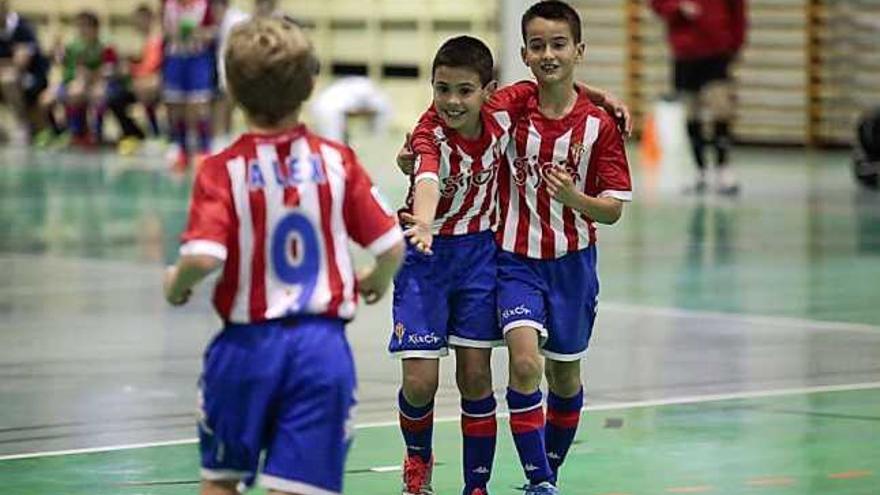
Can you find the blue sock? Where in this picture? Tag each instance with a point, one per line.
(478, 430)
(76, 120)
(563, 416)
(98, 129)
(179, 135)
(204, 131)
(527, 425)
(150, 110)
(417, 426)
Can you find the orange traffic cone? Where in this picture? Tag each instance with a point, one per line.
(649, 148)
(650, 153)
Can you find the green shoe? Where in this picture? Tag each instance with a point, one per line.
(44, 138)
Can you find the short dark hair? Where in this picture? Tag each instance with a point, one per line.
(88, 17)
(554, 10)
(466, 51)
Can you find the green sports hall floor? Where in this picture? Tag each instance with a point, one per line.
(737, 349)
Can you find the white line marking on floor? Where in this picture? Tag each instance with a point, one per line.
(758, 320)
(385, 469)
(756, 394)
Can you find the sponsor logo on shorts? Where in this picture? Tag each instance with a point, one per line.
(423, 340)
(520, 310)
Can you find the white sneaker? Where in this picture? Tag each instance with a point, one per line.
(727, 183)
(699, 185)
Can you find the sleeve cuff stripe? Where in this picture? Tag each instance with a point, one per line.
(203, 247)
(428, 176)
(621, 195)
(386, 241)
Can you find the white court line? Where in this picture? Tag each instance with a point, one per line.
(766, 321)
(694, 399)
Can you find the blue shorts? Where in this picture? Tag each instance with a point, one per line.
(446, 299)
(189, 78)
(285, 388)
(556, 297)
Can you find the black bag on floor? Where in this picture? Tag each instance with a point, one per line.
(866, 166)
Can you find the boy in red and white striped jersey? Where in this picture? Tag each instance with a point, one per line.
(567, 169)
(277, 210)
(445, 294)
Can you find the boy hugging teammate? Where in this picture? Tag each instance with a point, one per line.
(564, 168)
(445, 294)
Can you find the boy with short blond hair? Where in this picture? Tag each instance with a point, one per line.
(276, 210)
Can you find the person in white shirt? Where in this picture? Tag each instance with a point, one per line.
(346, 97)
(227, 16)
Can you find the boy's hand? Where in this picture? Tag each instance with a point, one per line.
(561, 186)
(690, 9)
(418, 232)
(406, 159)
(621, 114)
(370, 285)
(169, 281)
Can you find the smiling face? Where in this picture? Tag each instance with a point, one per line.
(458, 97)
(551, 51)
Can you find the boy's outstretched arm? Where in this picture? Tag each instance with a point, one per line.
(189, 271)
(419, 225)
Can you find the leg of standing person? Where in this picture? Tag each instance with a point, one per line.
(720, 103)
(479, 427)
(687, 86)
(416, 417)
(12, 94)
(571, 314)
(119, 101)
(565, 399)
(522, 311)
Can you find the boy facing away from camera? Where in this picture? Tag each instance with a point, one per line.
(276, 211)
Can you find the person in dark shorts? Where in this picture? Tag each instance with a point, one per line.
(705, 37)
(23, 69)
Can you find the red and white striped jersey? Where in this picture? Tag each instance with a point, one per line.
(587, 144)
(465, 169)
(280, 210)
(179, 20)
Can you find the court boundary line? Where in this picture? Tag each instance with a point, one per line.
(804, 324)
(683, 400)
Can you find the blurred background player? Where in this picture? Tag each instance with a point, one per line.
(266, 8)
(146, 69)
(189, 75)
(226, 16)
(278, 386)
(91, 84)
(347, 98)
(23, 72)
(706, 36)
